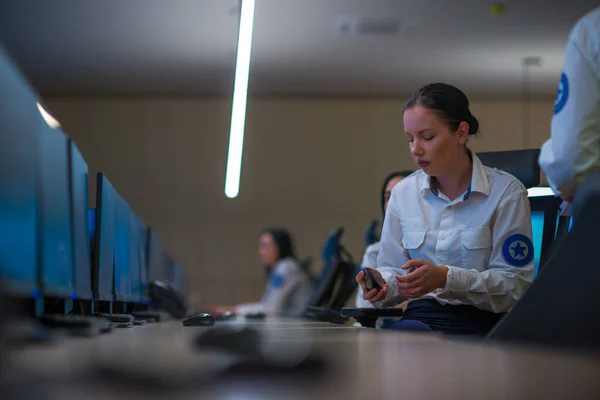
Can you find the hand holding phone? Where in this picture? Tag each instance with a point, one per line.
(369, 280)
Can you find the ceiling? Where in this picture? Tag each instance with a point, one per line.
(174, 47)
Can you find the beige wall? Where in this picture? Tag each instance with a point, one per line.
(309, 165)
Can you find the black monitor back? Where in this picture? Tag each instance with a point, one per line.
(56, 262)
(79, 217)
(20, 122)
(104, 240)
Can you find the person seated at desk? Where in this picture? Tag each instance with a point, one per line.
(370, 257)
(289, 288)
(573, 150)
(456, 239)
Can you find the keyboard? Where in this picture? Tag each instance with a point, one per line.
(77, 325)
(120, 318)
(150, 316)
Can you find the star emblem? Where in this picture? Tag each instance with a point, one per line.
(518, 250)
(559, 93)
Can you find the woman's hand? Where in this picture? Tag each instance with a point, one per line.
(424, 278)
(374, 295)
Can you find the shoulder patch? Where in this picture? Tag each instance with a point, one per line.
(517, 250)
(562, 95)
(277, 281)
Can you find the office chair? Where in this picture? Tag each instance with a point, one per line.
(563, 226)
(524, 166)
(372, 234)
(561, 307)
(336, 283)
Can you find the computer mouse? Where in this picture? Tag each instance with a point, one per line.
(202, 319)
(226, 316)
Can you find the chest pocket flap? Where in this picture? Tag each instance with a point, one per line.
(413, 238)
(480, 238)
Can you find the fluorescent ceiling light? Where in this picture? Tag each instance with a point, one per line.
(240, 95)
(53, 123)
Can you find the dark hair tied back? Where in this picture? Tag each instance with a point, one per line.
(448, 102)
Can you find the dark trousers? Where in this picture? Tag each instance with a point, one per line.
(429, 315)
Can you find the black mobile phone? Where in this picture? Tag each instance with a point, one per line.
(369, 280)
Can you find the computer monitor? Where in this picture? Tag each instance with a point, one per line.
(124, 244)
(79, 217)
(56, 261)
(544, 215)
(104, 240)
(177, 277)
(91, 226)
(140, 280)
(537, 230)
(157, 258)
(20, 122)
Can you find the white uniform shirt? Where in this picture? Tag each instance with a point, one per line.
(574, 148)
(483, 237)
(288, 292)
(369, 260)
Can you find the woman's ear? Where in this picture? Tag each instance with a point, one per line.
(463, 132)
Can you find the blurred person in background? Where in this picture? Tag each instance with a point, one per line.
(370, 256)
(289, 287)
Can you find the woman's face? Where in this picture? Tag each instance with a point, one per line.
(433, 145)
(388, 189)
(267, 250)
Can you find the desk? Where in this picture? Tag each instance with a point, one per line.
(361, 363)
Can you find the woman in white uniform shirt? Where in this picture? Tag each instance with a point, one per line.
(573, 152)
(289, 288)
(456, 239)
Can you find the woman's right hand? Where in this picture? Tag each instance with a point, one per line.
(373, 295)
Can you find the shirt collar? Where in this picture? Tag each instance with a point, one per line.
(479, 180)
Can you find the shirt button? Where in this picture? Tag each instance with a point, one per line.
(443, 235)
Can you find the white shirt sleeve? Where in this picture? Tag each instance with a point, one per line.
(249, 308)
(573, 150)
(392, 255)
(500, 287)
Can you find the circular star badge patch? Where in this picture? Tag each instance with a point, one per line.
(562, 95)
(517, 250)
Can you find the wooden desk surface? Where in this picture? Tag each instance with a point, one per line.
(159, 361)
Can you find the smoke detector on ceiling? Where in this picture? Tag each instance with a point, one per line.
(362, 25)
(531, 61)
